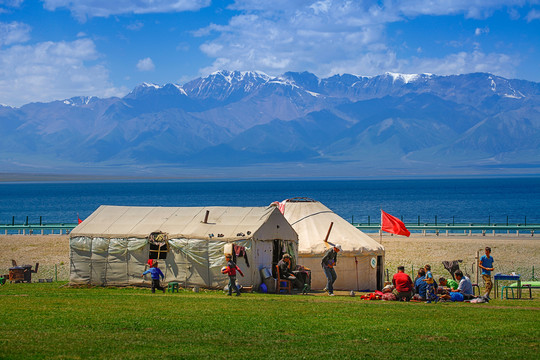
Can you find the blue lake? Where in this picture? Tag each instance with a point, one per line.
(459, 200)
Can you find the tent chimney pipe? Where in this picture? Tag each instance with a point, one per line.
(328, 234)
(206, 217)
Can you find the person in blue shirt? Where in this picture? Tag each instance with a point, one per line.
(430, 285)
(420, 285)
(465, 285)
(155, 273)
(486, 264)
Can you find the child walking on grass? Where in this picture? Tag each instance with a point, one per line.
(155, 272)
(231, 270)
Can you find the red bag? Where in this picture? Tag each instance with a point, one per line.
(389, 297)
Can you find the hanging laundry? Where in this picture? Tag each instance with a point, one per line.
(240, 251)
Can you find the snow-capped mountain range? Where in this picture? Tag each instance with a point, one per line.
(235, 122)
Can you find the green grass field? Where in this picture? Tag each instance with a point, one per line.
(50, 321)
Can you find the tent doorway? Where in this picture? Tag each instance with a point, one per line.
(379, 273)
(158, 252)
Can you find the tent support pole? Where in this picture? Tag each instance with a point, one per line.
(356, 266)
(328, 233)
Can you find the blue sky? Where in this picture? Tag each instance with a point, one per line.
(56, 49)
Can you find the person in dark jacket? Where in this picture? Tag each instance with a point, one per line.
(155, 273)
(231, 270)
(328, 262)
(285, 271)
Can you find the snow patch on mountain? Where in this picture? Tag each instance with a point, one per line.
(406, 78)
(150, 85)
(180, 89)
(79, 100)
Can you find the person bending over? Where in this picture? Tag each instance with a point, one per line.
(328, 262)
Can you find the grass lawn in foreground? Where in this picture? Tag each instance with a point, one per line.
(49, 321)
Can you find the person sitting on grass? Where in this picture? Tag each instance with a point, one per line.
(420, 285)
(403, 285)
(447, 283)
(155, 273)
(465, 285)
(453, 296)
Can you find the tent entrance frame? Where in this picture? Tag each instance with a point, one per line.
(380, 272)
(158, 252)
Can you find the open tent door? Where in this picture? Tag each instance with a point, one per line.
(380, 272)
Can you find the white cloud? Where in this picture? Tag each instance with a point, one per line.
(480, 31)
(13, 33)
(136, 26)
(465, 62)
(145, 64)
(332, 36)
(533, 15)
(11, 3)
(288, 35)
(477, 9)
(52, 70)
(83, 9)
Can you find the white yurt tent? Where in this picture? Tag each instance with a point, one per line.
(113, 245)
(360, 264)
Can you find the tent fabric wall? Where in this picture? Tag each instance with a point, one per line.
(312, 220)
(346, 271)
(108, 249)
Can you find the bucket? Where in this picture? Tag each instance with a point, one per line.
(265, 273)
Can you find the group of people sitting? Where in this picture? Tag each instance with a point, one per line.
(425, 288)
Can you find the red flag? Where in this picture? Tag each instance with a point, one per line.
(393, 225)
(79, 219)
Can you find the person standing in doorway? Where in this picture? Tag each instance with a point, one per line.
(486, 264)
(328, 262)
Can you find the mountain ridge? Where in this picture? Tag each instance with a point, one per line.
(477, 123)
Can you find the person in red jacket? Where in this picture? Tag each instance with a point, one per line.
(231, 270)
(403, 285)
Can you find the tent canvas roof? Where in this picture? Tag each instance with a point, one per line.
(311, 220)
(139, 222)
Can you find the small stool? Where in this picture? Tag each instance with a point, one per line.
(173, 286)
(505, 288)
(477, 287)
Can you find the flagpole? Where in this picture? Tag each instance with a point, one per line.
(380, 230)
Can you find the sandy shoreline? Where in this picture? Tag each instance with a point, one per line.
(511, 253)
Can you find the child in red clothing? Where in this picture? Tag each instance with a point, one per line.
(232, 268)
